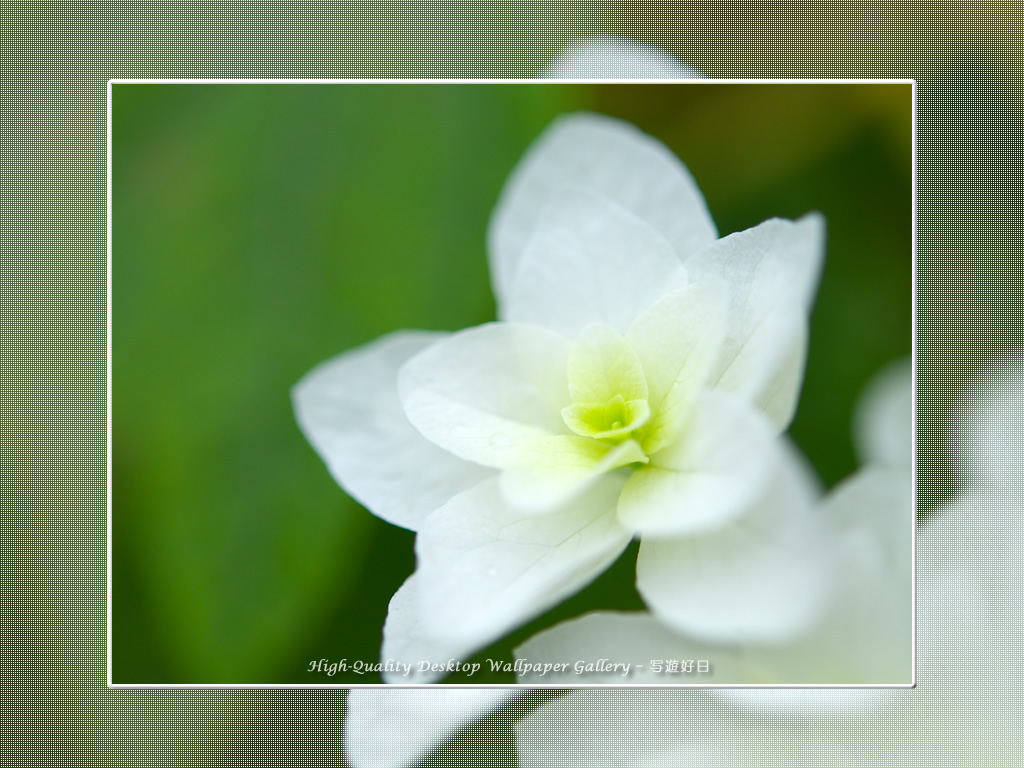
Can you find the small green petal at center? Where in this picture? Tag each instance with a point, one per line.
(611, 420)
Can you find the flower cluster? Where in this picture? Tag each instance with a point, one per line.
(963, 710)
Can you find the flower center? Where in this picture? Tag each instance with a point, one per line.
(607, 386)
(612, 420)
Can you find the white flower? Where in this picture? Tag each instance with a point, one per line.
(964, 710)
(635, 384)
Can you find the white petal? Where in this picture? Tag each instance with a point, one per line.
(884, 419)
(648, 728)
(964, 711)
(399, 728)
(677, 341)
(616, 58)
(760, 578)
(589, 260)
(349, 410)
(969, 596)
(775, 263)
(989, 439)
(876, 507)
(487, 393)
(417, 656)
(979, 538)
(616, 640)
(610, 158)
(484, 569)
(494, 395)
(721, 463)
(603, 364)
(846, 703)
(769, 370)
(558, 476)
(865, 636)
(772, 271)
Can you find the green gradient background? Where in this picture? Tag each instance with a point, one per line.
(260, 229)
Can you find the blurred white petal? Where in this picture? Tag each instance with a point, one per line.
(621, 647)
(645, 728)
(399, 728)
(866, 634)
(989, 441)
(883, 424)
(963, 711)
(616, 58)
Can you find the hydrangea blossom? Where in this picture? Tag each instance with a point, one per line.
(635, 384)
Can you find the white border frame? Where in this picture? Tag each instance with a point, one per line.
(511, 81)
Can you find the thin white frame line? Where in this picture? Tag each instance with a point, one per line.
(110, 380)
(913, 379)
(531, 686)
(506, 81)
(513, 81)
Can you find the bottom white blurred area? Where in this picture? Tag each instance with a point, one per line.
(965, 707)
(962, 712)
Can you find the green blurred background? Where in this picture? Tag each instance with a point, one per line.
(260, 229)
